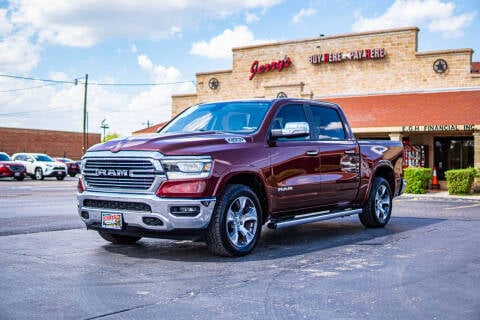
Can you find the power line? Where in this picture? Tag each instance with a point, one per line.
(37, 111)
(38, 79)
(76, 81)
(28, 88)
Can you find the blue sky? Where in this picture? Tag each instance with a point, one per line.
(167, 42)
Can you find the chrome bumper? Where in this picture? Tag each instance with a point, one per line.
(161, 209)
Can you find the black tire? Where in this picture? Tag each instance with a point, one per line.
(236, 222)
(19, 178)
(117, 238)
(378, 208)
(72, 175)
(60, 178)
(38, 174)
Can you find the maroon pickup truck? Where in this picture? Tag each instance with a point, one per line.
(220, 171)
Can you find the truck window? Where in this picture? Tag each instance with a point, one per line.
(328, 124)
(289, 114)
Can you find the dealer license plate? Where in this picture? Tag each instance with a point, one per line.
(111, 220)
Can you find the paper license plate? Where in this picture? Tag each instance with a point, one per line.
(111, 220)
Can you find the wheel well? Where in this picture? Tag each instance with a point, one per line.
(387, 174)
(253, 182)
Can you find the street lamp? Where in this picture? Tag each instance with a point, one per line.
(104, 126)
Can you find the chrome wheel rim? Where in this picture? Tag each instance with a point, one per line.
(382, 203)
(242, 222)
(38, 173)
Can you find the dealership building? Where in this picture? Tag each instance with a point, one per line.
(388, 89)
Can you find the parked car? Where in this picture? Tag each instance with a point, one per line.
(72, 166)
(8, 168)
(40, 165)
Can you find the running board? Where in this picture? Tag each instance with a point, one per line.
(311, 218)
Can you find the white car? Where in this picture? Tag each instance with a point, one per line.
(40, 165)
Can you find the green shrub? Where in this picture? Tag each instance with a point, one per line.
(417, 179)
(460, 181)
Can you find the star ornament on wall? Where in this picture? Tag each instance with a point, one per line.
(440, 66)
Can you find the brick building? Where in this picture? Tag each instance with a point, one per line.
(389, 90)
(54, 143)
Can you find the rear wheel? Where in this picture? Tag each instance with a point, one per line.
(118, 238)
(38, 174)
(59, 178)
(236, 222)
(378, 208)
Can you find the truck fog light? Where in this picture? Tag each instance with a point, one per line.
(185, 211)
(152, 221)
(85, 215)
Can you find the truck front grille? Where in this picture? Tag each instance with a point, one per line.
(124, 174)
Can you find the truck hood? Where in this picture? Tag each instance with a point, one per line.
(192, 143)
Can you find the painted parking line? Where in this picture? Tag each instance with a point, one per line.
(463, 207)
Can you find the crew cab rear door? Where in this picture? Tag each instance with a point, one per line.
(339, 156)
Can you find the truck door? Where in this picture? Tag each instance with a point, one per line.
(339, 158)
(294, 175)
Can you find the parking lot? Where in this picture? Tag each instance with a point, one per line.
(423, 265)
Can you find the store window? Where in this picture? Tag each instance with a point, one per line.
(452, 153)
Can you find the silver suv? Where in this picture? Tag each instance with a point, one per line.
(40, 165)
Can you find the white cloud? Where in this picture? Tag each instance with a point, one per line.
(303, 13)
(251, 17)
(5, 25)
(17, 54)
(435, 15)
(83, 23)
(221, 45)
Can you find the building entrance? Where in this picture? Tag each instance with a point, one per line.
(452, 153)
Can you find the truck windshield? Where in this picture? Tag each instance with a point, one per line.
(236, 117)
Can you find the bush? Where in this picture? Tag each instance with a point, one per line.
(460, 181)
(417, 179)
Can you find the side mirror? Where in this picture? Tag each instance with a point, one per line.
(291, 130)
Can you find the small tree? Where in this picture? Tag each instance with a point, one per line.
(111, 136)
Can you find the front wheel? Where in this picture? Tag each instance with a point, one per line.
(38, 174)
(117, 238)
(378, 208)
(236, 222)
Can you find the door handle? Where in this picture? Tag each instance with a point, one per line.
(312, 153)
(350, 152)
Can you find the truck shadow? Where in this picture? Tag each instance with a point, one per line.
(288, 242)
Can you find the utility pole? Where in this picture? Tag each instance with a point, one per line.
(104, 126)
(85, 137)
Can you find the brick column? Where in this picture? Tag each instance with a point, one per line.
(476, 149)
(396, 136)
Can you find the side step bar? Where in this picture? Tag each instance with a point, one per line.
(311, 218)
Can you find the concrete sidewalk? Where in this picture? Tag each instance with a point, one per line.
(442, 194)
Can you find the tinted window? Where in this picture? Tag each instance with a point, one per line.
(43, 157)
(289, 114)
(328, 124)
(4, 157)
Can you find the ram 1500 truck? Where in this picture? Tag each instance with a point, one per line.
(220, 171)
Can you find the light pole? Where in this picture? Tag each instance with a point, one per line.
(104, 126)
(85, 138)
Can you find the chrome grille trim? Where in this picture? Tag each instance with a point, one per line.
(135, 172)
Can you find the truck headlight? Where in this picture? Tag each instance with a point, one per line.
(187, 168)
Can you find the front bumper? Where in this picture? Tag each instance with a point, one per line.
(145, 214)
